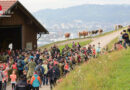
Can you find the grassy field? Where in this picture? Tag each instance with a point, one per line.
(81, 43)
(108, 72)
(111, 44)
(58, 42)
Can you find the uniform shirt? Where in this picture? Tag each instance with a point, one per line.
(13, 78)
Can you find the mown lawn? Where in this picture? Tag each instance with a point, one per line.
(108, 72)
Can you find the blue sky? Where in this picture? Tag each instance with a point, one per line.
(35, 5)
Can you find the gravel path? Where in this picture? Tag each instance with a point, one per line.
(105, 40)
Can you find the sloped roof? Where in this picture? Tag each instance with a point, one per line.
(10, 4)
(6, 4)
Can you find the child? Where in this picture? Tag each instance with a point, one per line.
(13, 78)
(5, 78)
(14, 66)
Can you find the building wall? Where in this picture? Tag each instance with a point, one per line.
(29, 33)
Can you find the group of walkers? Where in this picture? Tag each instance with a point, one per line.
(123, 41)
(28, 70)
(31, 69)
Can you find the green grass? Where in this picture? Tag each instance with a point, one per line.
(83, 43)
(108, 72)
(58, 42)
(111, 44)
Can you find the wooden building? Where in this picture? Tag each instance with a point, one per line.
(18, 26)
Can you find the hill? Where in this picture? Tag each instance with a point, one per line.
(108, 72)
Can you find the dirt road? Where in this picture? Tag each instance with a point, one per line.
(105, 40)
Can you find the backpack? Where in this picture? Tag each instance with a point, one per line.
(19, 63)
(36, 82)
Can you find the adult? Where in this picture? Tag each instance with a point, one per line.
(128, 29)
(20, 66)
(56, 73)
(50, 75)
(31, 68)
(40, 70)
(125, 37)
(120, 38)
(45, 79)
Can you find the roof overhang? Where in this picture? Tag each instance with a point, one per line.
(12, 5)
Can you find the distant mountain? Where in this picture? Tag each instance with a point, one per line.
(86, 13)
(78, 18)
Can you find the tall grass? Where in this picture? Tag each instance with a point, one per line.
(108, 72)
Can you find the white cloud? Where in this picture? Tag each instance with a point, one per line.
(35, 5)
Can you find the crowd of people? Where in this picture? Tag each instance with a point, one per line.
(123, 41)
(29, 70)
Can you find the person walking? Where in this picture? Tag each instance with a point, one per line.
(56, 73)
(40, 70)
(1, 77)
(50, 75)
(120, 38)
(13, 78)
(45, 79)
(31, 68)
(5, 78)
(125, 37)
(20, 66)
(35, 81)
